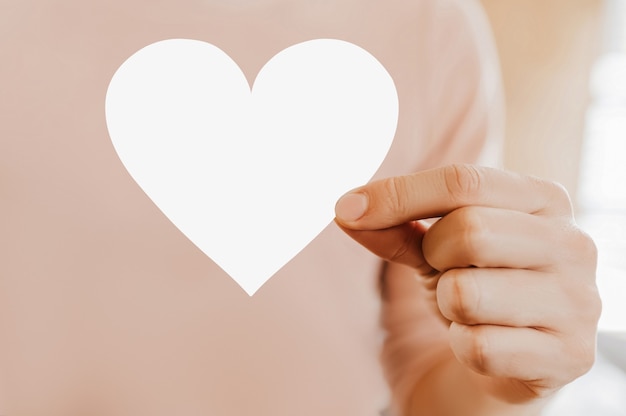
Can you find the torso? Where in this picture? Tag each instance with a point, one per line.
(105, 307)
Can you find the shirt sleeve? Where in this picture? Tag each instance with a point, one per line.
(466, 112)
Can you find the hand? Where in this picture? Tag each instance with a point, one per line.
(513, 273)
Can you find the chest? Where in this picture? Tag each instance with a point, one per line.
(98, 286)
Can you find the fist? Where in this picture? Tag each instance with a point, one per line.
(513, 273)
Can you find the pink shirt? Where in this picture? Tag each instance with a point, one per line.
(106, 308)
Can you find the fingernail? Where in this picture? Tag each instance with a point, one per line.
(351, 206)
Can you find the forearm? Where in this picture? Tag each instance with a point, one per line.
(450, 389)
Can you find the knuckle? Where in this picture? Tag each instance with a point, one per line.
(471, 346)
(595, 308)
(583, 356)
(585, 248)
(472, 234)
(558, 196)
(395, 191)
(538, 389)
(458, 296)
(559, 191)
(583, 305)
(411, 241)
(463, 182)
(578, 248)
(479, 350)
(587, 362)
(590, 313)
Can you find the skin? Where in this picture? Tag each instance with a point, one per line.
(505, 271)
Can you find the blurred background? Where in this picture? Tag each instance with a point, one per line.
(564, 70)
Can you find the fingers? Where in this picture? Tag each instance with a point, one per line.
(520, 234)
(435, 193)
(543, 360)
(513, 273)
(516, 298)
(400, 244)
(490, 237)
(470, 236)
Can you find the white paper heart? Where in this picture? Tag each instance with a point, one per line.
(251, 176)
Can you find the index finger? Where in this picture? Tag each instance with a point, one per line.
(434, 193)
